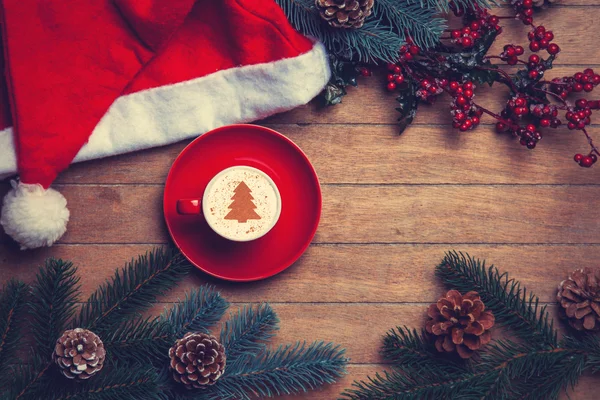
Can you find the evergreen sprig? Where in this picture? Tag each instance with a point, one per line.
(133, 289)
(53, 300)
(245, 334)
(287, 370)
(540, 367)
(12, 313)
(507, 298)
(137, 348)
(198, 312)
(379, 39)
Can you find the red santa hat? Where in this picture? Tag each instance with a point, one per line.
(90, 79)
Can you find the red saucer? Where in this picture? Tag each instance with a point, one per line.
(279, 158)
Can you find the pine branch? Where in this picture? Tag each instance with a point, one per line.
(405, 16)
(509, 301)
(370, 43)
(287, 370)
(53, 301)
(199, 311)
(133, 289)
(245, 334)
(442, 5)
(30, 381)
(141, 340)
(415, 352)
(12, 305)
(131, 382)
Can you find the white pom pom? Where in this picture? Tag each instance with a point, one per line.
(34, 217)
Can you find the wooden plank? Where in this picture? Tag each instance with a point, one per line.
(364, 214)
(376, 154)
(328, 273)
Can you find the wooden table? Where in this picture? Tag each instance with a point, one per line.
(392, 206)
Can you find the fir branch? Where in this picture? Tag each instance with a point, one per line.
(133, 289)
(443, 5)
(131, 382)
(30, 381)
(406, 16)
(53, 301)
(245, 333)
(415, 352)
(509, 301)
(370, 43)
(287, 370)
(12, 305)
(199, 311)
(142, 340)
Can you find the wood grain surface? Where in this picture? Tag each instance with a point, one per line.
(392, 206)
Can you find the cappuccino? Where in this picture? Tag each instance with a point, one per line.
(241, 203)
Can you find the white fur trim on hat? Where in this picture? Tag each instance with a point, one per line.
(34, 217)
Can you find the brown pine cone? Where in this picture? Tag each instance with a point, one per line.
(460, 323)
(197, 360)
(579, 297)
(345, 13)
(79, 353)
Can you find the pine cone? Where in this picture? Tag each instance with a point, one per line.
(345, 13)
(79, 353)
(197, 360)
(579, 296)
(460, 323)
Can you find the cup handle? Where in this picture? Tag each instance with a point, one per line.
(189, 206)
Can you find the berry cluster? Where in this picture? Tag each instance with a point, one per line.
(586, 161)
(511, 54)
(466, 36)
(584, 81)
(540, 39)
(429, 88)
(394, 77)
(465, 114)
(547, 115)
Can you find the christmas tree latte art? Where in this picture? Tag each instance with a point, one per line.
(241, 203)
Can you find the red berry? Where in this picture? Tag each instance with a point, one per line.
(528, 12)
(531, 128)
(533, 74)
(534, 58)
(549, 36)
(455, 34)
(463, 127)
(453, 86)
(460, 116)
(365, 71)
(467, 42)
(520, 102)
(527, 21)
(390, 77)
(544, 43)
(493, 20)
(500, 126)
(433, 89)
(425, 83)
(512, 61)
(399, 79)
(578, 76)
(535, 46)
(468, 85)
(571, 125)
(475, 26)
(510, 51)
(391, 86)
(519, 50)
(588, 71)
(391, 66)
(581, 103)
(527, 3)
(468, 123)
(578, 87)
(461, 100)
(578, 157)
(586, 161)
(466, 30)
(588, 87)
(544, 122)
(397, 69)
(468, 93)
(553, 48)
(414, 50)
(475, 120)
(594, 157)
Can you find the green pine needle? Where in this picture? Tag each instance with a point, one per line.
(133, 289)
(246, 332)
(415, 351)
(130, 382)
(143, 340)
(289, 369)
(12, 306)
(198, 312)
(509, 301)
(53, 301)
